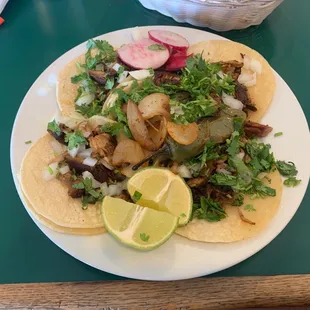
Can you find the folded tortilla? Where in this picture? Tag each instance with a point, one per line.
(49, 200)
(262, 93)
(232, 228)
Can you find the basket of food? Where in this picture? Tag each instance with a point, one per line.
(220, 15)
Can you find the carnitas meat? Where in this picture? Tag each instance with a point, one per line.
(233, 67)
(252, 129)
(103, 145)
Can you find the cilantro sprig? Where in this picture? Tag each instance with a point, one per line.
(74, 139)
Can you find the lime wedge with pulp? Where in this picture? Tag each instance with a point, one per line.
(162, 190)
(135, 226)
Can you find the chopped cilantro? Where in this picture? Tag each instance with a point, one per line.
(117, 112)
(151, 71)
(183, 214)
(105, 53)
(120, 70)
(238, 200)
(291, 182)
(136, 196)
(258, 190)
(53, 126)
(112, 128)
(28, 142)
(238, 124)
(144, 237)
(75, 139)
(262, 160)
(156, 47)
(224, 179)
(234, 144)
(249, 207)
(278, 134)
(79, 185)
(287, 169)
(244, 174)
(208, 210)
(109, 84)
(92, 195)
(91, 109)
(50, 170)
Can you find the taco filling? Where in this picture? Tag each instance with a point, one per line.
(192, 113)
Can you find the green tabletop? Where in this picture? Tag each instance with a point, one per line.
(37, 32)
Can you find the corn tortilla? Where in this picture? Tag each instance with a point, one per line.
(232, 228)
(50, 199)
(262, 93)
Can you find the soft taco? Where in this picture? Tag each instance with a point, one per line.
(199, 121)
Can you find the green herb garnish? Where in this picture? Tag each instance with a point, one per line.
(249, 207)
(91, 109)
(79, 185)
(50, 170)
(144, 237)
(208, 210)
(156, 47)
(53, 126)
(109, 84)
(291, 182)
(234, 144)
(75, 139)
(28, 142)
(105, 53)
(183, 214)
(136, 196)
(287, 169)
(278, 134)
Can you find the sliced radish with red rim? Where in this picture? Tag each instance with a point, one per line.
(170, 39)
(144, 54)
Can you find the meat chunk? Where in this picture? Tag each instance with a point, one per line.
(68, 180)
(163, 77)
(233, 67)
(103, 144)
(99, 76)
(252, 129)
(241, 93)
(196, 182)
(100, 173)
(76, 164)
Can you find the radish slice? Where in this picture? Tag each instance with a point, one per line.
(169, 38)
(143, 54)
(176, 62)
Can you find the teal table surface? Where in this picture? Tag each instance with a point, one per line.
(37, 32)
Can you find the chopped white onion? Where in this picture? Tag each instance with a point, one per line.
(240, 155)
(140, 74)
(122, 76)
(256, 66)
(222, 170)
(82, 147)
(232, 102)
(86, 153)
(89, 161)
(104, 189)
(247, 79)
(86, 99)
(115, 189)
(50, 172)
(64, 169)
(73, 152)
(57, 147)
(184, 172)
(95, 183)
(246, 62)
(116, 66)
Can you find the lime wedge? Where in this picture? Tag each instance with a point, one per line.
(135, 226)
(162, 190)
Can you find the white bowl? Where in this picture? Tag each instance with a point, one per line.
(220, 15)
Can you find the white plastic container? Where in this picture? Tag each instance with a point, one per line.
(220, 15)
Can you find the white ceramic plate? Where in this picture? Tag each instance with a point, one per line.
(179, 258)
